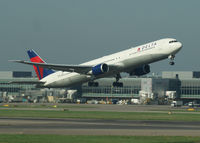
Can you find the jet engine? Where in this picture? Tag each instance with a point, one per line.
(100, 69)
(145, 69)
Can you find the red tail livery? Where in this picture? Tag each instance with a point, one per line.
(41, 72)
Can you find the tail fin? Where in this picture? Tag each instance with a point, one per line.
(41, 72)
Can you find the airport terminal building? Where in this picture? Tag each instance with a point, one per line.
(190, 83)
(172, 85)
(16, 92)
(8, 76)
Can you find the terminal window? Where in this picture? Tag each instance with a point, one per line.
(196, 74)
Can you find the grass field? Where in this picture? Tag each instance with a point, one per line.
(100, 115)
(42, 113)
(95, 139)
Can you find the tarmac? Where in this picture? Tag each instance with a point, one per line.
(97, 127)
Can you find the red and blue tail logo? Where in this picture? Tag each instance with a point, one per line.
(41, 72)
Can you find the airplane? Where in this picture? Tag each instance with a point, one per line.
(134, 61)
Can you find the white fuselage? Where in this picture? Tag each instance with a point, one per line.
(126, 61)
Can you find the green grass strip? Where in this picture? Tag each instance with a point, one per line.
(101, 115)
(95, 139)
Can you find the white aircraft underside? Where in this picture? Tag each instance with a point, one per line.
(124, 61)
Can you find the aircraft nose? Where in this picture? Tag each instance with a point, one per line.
(178, 46)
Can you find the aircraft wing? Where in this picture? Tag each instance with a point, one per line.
(82, 69)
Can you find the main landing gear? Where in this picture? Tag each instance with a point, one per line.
(171, 57)
(93, 84)
(117, 83)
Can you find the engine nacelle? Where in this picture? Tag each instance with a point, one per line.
(145, 69)
(100, 69)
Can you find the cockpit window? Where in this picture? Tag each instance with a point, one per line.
(173, 41)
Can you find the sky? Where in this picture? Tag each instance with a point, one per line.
(76, 31)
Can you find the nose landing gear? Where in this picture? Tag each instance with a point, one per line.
(171, 63)
(171, 57)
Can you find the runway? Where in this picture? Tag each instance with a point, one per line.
(97, 127)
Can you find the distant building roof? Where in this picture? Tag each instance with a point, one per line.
(181, 74)
(15, 74)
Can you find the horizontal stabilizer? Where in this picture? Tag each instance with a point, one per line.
(26, 82)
